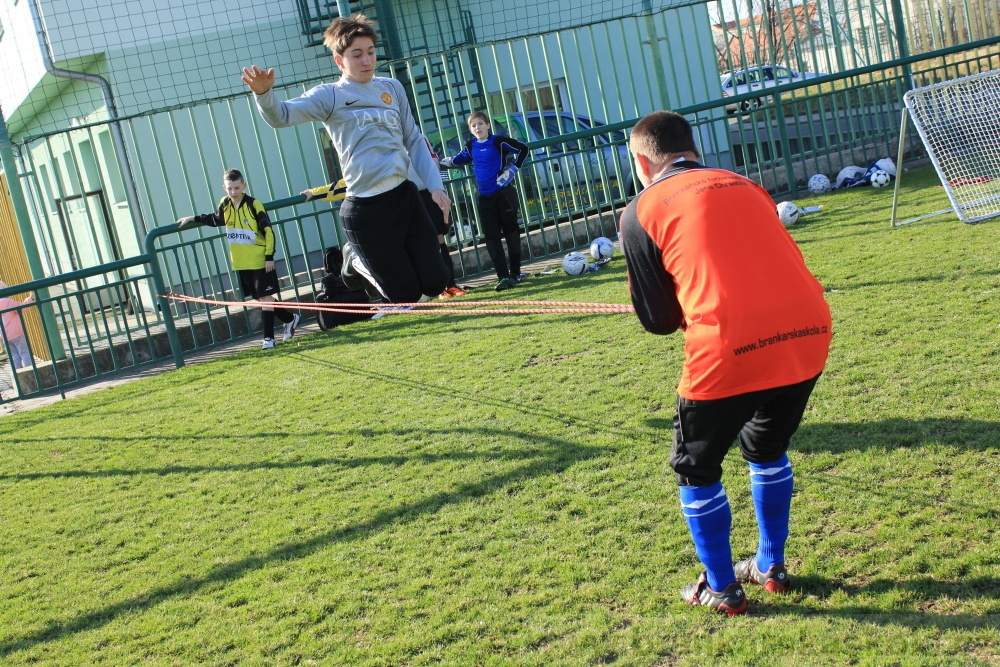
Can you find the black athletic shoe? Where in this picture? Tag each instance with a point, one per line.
(505, 283)
(353, 280)
(774, 580)
(729, 601)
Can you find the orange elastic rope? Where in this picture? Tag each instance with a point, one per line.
(512, 307)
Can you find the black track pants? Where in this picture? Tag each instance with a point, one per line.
(396, 242)
(498, 217)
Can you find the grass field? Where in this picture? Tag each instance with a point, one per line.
(495, 490)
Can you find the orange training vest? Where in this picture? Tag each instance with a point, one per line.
(754, 316)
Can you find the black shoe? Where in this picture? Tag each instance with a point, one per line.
(774, 580)
(505, 283)
(729, 601)
(353, 280)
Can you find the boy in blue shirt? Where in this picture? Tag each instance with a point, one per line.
(498, 205)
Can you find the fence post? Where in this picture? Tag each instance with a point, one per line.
(659, 73)
(786, 150)
(161, 290)
(28, 240)
(901, 42)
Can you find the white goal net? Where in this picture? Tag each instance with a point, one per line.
(959, 123)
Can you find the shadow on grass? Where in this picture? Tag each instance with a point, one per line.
(911, 279)
(339, 461)
(897, 434)
(923, 588)
(885, 434)
(499, 403)
(561, 456)
(921, 598)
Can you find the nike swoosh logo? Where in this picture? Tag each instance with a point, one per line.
(347, 104)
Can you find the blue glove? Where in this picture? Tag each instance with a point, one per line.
(506, 176)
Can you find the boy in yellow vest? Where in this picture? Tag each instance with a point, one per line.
(251, 248)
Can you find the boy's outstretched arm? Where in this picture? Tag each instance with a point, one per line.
(330, 192)
(316, 104)
(462, 159)
(214, 219)
(258, 80)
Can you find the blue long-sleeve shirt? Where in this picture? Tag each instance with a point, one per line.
(488, 159)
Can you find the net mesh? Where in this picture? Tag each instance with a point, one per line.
(158, 55)
(959, 122)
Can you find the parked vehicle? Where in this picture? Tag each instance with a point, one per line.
(564, 179)
(758, 78)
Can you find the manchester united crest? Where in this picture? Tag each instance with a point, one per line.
(387, 98)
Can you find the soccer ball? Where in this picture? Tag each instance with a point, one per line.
(788, 213)
(574, 263)
(818, 184)
(880, 179)
(601, 248)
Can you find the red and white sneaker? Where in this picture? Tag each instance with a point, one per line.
(774, 580)
(290, 328)
(729, 601)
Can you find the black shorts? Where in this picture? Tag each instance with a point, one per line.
(256, 283)
(762, 421)
(435, 212)
(393, 236)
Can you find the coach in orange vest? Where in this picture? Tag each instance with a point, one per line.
(707, 254)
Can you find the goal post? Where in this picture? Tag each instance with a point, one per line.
(959, 124)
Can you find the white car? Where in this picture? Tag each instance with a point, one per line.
(758, 78)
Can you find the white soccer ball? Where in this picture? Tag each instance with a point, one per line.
(788, 213)
(575, 263)
(601, 248)
(880, 179)
(818, 184)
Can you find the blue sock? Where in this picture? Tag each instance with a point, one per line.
(771, 486)
(706, 509)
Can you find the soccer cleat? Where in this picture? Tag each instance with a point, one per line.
(290, 328)
(522, 276)
(729, 601)
(456, 291)
(268, 344)
(505, 283)
(445, 295)
(353, 280)
(774, 580)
